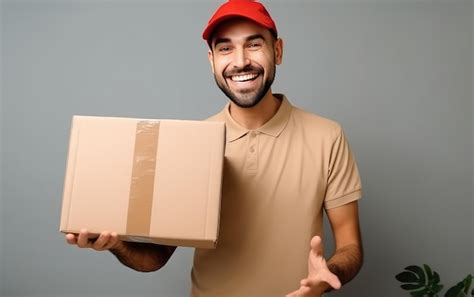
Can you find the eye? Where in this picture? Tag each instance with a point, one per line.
(254, 45)
(224, 49)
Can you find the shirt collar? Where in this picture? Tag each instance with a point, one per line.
(273, 127)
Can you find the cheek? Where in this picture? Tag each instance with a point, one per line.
(268, 63)
(265, 58)
(220, 66)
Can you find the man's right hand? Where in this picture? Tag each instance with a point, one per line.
(144, 257)
(105, 241)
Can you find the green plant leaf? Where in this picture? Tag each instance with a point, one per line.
(436, 288)
(455, 290)
(412, 286)
(436, 277)
(467, 283)
(407, 277)
(462, 294)
(429, 273)
(418, 271)
(420, 293)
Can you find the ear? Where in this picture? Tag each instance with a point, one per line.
(278, 51)
(210, 56)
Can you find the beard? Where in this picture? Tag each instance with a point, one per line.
(250, 98)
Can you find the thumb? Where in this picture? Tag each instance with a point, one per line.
(316, 245)
(327, 277)
(333, 281)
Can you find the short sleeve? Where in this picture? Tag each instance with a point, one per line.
(343, 184)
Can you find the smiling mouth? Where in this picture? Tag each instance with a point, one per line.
(244, 77)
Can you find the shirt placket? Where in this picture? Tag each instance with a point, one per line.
(252, 153)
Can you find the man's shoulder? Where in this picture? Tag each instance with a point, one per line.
(315, 121)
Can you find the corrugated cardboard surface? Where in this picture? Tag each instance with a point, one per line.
(176, 169)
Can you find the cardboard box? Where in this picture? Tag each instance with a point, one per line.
(153, 181)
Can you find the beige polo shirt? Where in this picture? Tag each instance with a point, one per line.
(277, 180)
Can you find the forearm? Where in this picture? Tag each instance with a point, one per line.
(142, 257)
(346, 262)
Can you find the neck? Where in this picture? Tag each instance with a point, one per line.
(255, 117)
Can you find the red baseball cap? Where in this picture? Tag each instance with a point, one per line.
(249, 9)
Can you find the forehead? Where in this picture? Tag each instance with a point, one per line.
(239, 28)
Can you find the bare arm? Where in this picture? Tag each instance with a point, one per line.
(345, 262)
(348, 255)
(142, 257)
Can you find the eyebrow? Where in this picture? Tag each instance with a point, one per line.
(248, 38)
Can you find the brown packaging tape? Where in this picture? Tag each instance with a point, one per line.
(143, 178)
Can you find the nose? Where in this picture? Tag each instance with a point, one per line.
(240, 59)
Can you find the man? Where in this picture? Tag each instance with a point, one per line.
(283, 166)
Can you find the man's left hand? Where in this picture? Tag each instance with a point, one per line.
(320, 278)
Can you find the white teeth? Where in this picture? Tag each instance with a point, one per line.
(245, 77)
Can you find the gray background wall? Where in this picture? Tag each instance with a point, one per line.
(396, 74)
(1, 154)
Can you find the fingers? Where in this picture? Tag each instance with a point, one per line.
(71, 238)
(101, 241)
(325, 276)
(113, 241)
(83, 239)
(334, 281)
(302, 292)
(316, 245)
(106, 240)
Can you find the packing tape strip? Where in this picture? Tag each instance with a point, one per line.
(143, 178)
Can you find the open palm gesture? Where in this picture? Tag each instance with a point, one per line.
(320, 278)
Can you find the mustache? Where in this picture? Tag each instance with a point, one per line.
(245, 69)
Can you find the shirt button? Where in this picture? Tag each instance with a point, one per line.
(252, 149)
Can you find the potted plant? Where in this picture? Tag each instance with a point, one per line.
(424, 282)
